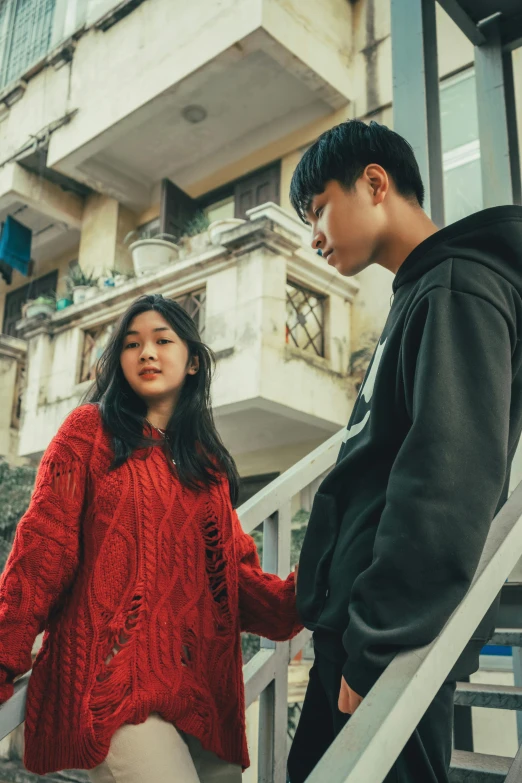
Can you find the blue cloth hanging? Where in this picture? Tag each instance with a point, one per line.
(15, 245)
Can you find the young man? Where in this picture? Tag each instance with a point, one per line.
(397, 528)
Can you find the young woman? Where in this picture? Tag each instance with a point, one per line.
(133, 560)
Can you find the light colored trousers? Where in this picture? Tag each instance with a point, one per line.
(156, 752)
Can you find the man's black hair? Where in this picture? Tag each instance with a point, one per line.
(343, 152)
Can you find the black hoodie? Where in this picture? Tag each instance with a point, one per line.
(398, 526)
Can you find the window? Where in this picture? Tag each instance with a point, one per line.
(234, 199)
(305, 319)
(194, 304)
(95, 340)
(94, 343)
(25, 35)
(460, 147)
(149, 230)
(221, 210)
(17, 298)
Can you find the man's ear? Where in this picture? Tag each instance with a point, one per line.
(378, 181)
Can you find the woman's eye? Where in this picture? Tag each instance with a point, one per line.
(317, 212)
(130, 345)
(163, 340)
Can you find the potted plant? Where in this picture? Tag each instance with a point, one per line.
(195, 236)
(149, 255)
(112, 279)
(63, 302)
(42, 305)
(81, 285)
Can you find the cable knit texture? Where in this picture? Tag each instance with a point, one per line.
(142, 587)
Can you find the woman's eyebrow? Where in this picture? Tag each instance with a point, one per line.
(157, 329)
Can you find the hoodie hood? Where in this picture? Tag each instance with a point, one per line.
(492, 237)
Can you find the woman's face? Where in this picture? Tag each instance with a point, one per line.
(154, 360)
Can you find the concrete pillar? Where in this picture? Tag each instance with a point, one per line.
(105, 225)
(12, 358)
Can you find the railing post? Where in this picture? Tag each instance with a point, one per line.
(517, 672)
(273, 703)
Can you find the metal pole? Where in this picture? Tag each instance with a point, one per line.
(273, 703)
(497, 185)
(512, 129)
(416, 108)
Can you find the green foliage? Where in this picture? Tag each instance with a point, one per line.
(196, 225)
(16, 486)
(77, 277)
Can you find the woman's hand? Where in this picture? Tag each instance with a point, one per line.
(296, 569)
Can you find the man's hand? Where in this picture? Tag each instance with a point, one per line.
(348, 699)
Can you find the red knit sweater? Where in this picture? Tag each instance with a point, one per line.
(142, 587)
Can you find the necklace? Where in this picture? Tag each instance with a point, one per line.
(161, 432)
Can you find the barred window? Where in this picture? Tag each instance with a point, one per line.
(305, 319)
(95, 340)
(94, 343)
(25, 35)
(194, 304)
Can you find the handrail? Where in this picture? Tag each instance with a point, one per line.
(368, 746)
(267, 501)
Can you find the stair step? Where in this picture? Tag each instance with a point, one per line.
(478, 767)
(499, 697)
(507, 637)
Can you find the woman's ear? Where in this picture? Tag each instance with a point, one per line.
(194, 365)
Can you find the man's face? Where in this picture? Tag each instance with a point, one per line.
(347, 225)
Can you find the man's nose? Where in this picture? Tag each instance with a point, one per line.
(318, 241)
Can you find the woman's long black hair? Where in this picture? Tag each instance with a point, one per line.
(191, 437)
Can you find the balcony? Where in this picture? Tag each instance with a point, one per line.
(276, 316)
(185, 90)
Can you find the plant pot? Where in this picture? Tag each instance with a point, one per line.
(219, 227)
(82, 293)
(150, 255)
(61, 304)
(38, 308)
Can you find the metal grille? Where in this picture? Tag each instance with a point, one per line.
(25, 35)
(305, 319)
(17, 401)
(96, 340)
(194, 304)
(94, 344)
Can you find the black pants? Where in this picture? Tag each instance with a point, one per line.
(425, 758)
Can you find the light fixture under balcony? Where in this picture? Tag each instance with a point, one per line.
(194, 113)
